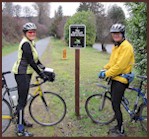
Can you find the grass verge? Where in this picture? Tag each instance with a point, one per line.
(9, 49)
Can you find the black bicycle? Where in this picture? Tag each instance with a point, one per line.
(46, 108)
(99, 108)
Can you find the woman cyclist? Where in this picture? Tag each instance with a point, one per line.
(118, 69)
(27, 62)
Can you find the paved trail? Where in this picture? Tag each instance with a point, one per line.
(98, 47)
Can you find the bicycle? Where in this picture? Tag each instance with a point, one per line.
(45, 108)
(99, 109)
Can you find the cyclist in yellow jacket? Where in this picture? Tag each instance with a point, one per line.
(119, 69)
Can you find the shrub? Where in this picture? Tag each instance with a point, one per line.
(86, 18)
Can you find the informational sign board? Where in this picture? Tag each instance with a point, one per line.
(77, 36)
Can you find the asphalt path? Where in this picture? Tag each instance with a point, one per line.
(108, 47)
(9, 60)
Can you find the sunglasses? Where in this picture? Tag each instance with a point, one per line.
(31, 32)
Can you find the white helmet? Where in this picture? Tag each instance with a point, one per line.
(117, 28)
(29, 26)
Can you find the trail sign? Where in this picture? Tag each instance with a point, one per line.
(77, 40)
(77, 36)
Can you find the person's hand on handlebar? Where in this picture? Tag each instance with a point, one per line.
(101, 74)
(43, 76)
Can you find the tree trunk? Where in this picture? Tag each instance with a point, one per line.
(103, 48)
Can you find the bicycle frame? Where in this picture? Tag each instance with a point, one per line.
(131, 112)
(38, 89)
(135, 110)
(8, 90)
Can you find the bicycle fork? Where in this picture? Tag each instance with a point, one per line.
(44, 101)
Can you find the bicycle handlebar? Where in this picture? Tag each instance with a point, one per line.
(7, 72)
(108, 80)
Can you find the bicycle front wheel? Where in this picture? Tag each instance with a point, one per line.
(99, 109)
(143, 116)
(48, 109)
(6, 115)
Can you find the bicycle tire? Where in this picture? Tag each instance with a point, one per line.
(143, 116)
(92, 107)
(56, 105)
(6, 111)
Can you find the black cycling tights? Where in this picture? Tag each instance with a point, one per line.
(23, 83)
(117, 91)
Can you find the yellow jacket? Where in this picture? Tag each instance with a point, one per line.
(121, 62)
(21, 66)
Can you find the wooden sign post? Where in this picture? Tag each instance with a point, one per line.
(77, 40)
(77, 82)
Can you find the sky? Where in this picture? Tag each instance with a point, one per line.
(69, 8)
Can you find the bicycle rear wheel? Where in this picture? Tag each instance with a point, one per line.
(6, 115)
(143, 116)
(99, 109)
(47, 110)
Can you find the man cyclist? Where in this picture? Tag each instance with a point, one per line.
(26, 64)
(119, 69)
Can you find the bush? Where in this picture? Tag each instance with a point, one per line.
(86, 18)
(42, 30)
(137, 33)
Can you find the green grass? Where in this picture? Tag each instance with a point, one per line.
(9, 49)
(91, 62)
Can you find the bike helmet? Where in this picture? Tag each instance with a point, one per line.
(117, 28)
(29, 26)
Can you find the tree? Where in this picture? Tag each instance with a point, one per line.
(10, 24)
(97, 8)
(84, 6)
(86, 18)
(43, 12)
(28, 12)
(59, 13)
(103, 27)
(8, 8)
(17, 10)
(116, 14)
(137, 33)
(57, 27)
